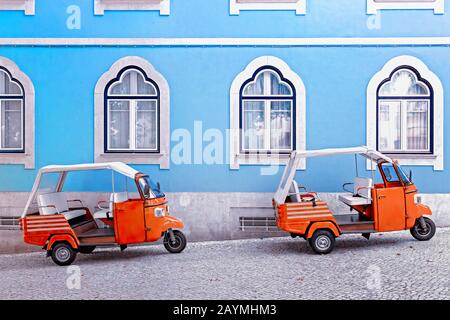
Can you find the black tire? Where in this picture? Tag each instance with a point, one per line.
(179, 244)
(423, 235)
(63, 254)
(86, 249)
(322, 241)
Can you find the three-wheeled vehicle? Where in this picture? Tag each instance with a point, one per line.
(65, 227)
(391, 205)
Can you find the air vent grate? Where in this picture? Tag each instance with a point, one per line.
(258, 224)
(9, 223)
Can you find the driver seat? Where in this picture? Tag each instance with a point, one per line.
(362, 193)
(116, 197)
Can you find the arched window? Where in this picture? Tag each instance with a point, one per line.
(405, 110)
(267, 112)
(405, 107)
(11, 113)
(132, 113)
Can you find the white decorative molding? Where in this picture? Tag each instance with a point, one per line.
(163, 6)
(374, 5)
(163, 157)
(228, 42)
(437, 158)
(236, 158)
(27, 157)
(27, 6)
(239, 5)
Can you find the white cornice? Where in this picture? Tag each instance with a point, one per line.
(224, 42)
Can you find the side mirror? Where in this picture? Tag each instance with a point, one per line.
(410, 175)
(158, 186)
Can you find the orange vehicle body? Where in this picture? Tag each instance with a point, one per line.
(132, 221)
(393, 208)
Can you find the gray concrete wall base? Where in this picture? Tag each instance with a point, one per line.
(207, 216)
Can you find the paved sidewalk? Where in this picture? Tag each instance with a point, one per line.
(389, 266)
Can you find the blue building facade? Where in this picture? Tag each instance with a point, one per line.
(188, 91)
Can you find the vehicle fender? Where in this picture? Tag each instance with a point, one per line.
(172, 223)
(322, 225)
(423, 210)
(62, 238)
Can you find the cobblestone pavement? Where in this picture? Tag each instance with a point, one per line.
(389, 266)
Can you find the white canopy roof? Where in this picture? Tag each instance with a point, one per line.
(291, 168)
(119, 167)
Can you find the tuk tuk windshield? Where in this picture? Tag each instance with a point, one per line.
(149, 188)
(403, 175)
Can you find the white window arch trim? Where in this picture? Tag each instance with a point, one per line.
(27, 6)
(240, 5)
(236, 157)
(436, 159)
(374, 5)
(163, 157)
(163, 6)
(26, 157)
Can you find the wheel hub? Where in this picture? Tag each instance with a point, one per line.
(323, 242)
(63, 254)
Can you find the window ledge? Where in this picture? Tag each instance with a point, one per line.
(373, 6)
(399, 156)
(236, 6)
(264, 159)
(163, 6)
(27, 6)
(161, 159)
(18, 158)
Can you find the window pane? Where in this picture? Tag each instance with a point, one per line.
(280, 125)
(403, 83)
(132, 83)
(417, 119)
(119, 125)
(256, 87)
(11, 125)
(7, 87)
(122, 87)
(277, 87)
(389, 126)
(146, 125)
(253, 125)
(389, 172)
(144, 88)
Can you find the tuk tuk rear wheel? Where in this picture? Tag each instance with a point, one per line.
(423, 234)
(322, 241)
(63, 254)
(178, 244)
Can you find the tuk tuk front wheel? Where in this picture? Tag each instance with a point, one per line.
(177, 244)
(423, 230)
(322, 241)
(63, 254)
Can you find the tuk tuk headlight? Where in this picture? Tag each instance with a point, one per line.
(417, 199)
(160, 212)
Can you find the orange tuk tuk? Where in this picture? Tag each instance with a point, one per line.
(64, 227)
(391, 205)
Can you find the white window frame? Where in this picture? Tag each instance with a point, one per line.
(27, 157)
(374, 5)
(27, 6)
(436, 159)
(236, 157)
(267, 113)
(163, 6)
(236, 6)
(128, 156)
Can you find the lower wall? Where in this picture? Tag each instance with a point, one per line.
(207, 216)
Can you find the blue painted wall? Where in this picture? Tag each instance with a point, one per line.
(200, 78)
